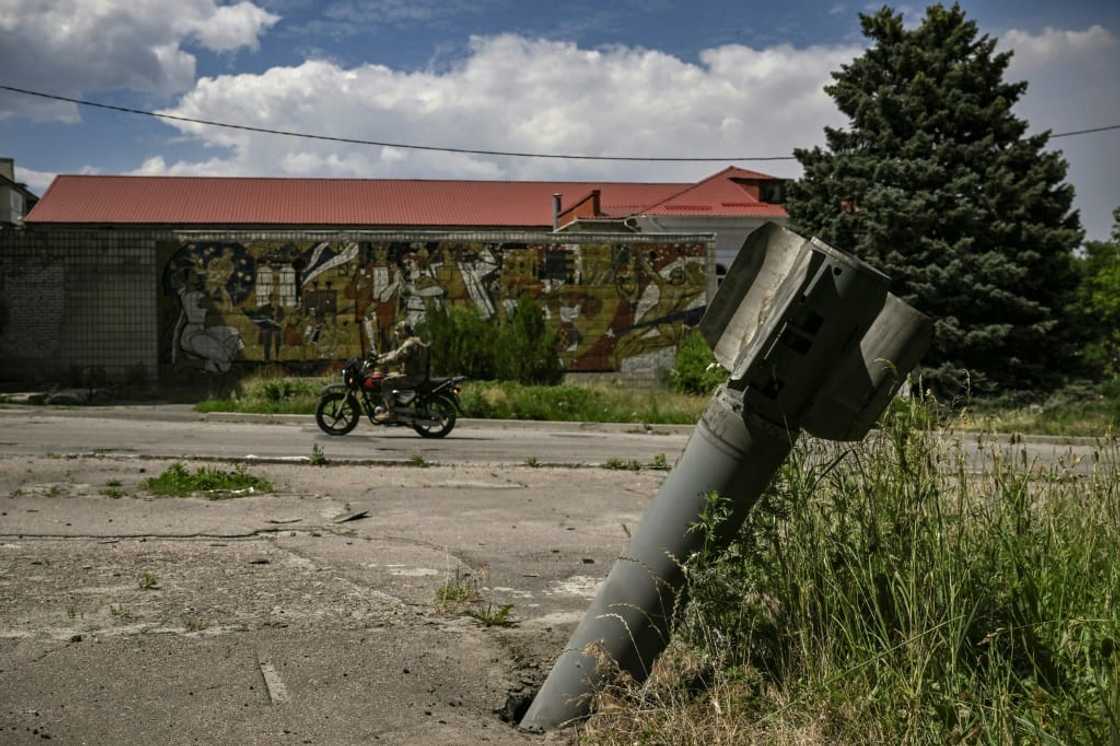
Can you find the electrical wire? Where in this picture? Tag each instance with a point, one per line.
(404, 146)
(440, 148)
(1086, 132)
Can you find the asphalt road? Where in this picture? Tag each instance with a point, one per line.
(29, 432)
(176, 432)
(271, 618)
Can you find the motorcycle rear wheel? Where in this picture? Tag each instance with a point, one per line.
(337, 413)
(442, 410)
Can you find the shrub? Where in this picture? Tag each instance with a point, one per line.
(520, 347)
(460, 341)
(695, 370)
(527, 348)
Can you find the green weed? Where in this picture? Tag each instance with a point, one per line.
(458, 589)
(318, 458)
(149, 581)
(178, 481)
(622, 465)
(493, 616)
(113, 489)
(120, 612)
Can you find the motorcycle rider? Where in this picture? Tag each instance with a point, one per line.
(411, 359)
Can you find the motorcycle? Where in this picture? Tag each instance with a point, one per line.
(430, 409)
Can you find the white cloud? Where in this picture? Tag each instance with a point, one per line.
(230, 27)
(75, 46)
(1053, 45)
(36, 181)
(1071, 79)
(513, 93)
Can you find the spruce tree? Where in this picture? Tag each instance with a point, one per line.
(935, 182)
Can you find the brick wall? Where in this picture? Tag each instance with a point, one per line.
(77, 306)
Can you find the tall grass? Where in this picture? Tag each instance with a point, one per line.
(269, 393)
(893, 596)
(1077, 410)
(485, 399)
(514, 401)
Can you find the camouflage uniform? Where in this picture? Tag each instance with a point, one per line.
(411, 359)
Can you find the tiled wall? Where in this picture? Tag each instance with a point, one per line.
(77, 306)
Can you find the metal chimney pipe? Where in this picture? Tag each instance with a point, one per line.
(557, 208)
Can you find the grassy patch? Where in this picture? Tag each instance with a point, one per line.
(897, 597)
(267, 393)
(179, 481)
(1086, 410)
(597, 403)
(1078, 410)
(488, 400)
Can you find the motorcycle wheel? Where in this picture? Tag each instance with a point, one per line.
(337, 413)
(442, 411)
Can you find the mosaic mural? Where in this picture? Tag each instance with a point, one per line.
(615, 306)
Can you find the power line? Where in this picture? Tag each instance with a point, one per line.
(440, 148)
(1086, 132)
(356, 141)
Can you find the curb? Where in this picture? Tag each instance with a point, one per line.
(185, 413)
(630, 428)
(250, 459)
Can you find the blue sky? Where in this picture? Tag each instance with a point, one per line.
(654, 77)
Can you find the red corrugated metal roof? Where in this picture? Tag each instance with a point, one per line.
(719, 194)
(200, 200)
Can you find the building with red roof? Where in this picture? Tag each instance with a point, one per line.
(251, 202)
(162, 272)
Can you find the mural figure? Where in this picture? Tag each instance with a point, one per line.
(269, 319)
(217, 346)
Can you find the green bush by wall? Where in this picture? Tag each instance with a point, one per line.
(519, 347)
(695, 370)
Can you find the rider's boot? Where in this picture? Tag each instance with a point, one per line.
(386, 414)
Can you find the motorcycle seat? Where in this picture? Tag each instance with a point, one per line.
(433, 383)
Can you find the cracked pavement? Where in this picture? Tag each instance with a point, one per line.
(264, 618)
(343, 613)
